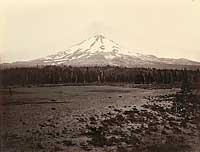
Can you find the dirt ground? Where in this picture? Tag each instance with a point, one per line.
(98, 118)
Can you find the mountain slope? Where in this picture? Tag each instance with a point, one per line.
(100, 51)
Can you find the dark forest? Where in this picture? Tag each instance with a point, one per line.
(67, 74)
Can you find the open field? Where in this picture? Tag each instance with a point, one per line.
(97, 118)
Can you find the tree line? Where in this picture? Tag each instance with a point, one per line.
(108, 74)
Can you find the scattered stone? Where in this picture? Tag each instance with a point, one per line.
(67, 143)
(53, 108)
(40, 146)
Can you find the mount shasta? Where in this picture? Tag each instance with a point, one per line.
(100, 51)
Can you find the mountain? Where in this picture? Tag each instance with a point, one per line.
(100, 51)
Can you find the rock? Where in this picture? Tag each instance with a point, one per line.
(67, 143)
(53, 108)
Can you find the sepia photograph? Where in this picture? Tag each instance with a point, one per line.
(100, 76)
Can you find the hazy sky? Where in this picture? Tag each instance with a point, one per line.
(35, 28)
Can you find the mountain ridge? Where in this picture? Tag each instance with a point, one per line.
(100, 51)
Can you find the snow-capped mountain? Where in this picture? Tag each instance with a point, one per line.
(100, 51)
(96, 50)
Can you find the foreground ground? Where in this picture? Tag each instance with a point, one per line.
(98, 118)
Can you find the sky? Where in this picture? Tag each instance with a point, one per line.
(31, 29)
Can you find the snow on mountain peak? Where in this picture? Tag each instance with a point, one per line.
(97, 44)
(99, 50)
